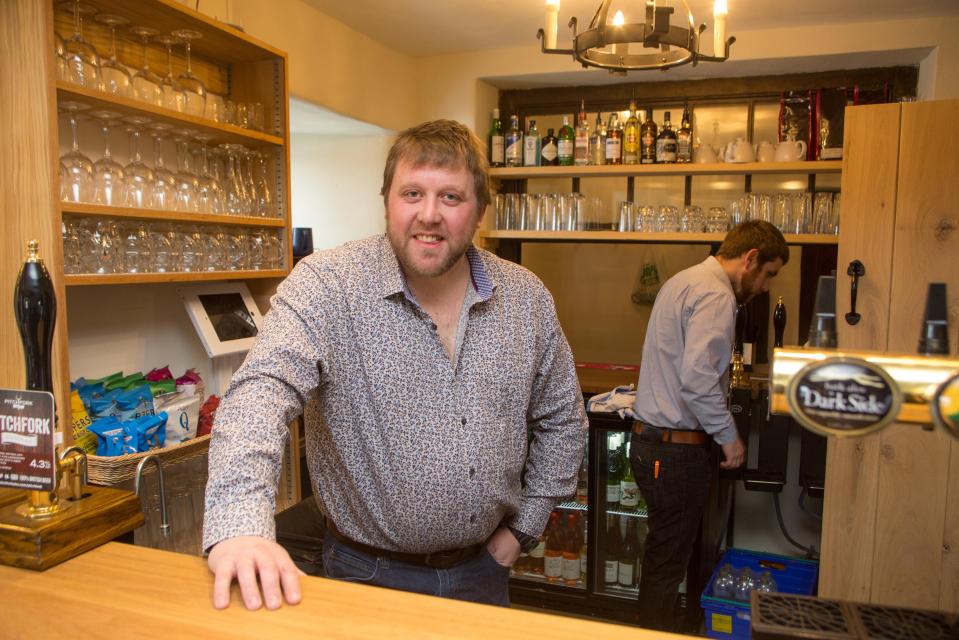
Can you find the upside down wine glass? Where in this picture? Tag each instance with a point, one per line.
(114, 78)
(76, 169)
(146, 84)
(81, 59)
(191, 85)
(173, 96)
(107, 172)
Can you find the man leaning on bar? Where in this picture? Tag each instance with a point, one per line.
(421, 364)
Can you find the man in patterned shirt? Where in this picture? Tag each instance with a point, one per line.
(421, 364)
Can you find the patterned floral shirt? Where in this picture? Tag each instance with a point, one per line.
(408, 450)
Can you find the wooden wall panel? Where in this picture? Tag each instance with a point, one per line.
(28, 179)
(913, 489)
(949, 591)
(866, 233)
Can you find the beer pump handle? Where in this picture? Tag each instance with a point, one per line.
(35, 307)
(779, 323)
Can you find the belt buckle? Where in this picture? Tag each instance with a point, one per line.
(437, 559)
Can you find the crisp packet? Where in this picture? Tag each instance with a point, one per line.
(160, 373)
(160, 387)
(106, 405)
(131, 438)
(109, 432)
(190, 382)
(90, 391)
(207, 415)
(106, 379)
(151, 431)
(183, 411)
(135, 403)
(82, 437)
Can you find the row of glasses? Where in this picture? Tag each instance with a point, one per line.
(660, 219)
(548, 212)
(105, 246)
(230, 179)
(797, 212)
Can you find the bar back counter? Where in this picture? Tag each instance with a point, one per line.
(122, 591)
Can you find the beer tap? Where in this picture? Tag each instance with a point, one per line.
(738, 379)
(934, 338)
(822, 329)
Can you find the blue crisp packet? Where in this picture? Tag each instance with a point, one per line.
(106, 405)
(135, 403)
(130, 437)
(151, 431)
(88, 392)
(109, 432)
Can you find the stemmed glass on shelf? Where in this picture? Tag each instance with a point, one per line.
(209, 193)
(146, 84)
(114, 78)
(187, 185)
(237, 203)
(76, 169)
(173, 96)
(163, 194)
(107, 172)
(264, 197)
(192, 87)
(137, 176)
(81, 59)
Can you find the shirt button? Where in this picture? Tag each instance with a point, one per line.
(473, 518)
(464, 422)
(472, 472)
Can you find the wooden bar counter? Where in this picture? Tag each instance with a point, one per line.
(123, 591)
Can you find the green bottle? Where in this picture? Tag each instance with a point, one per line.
(567, 143)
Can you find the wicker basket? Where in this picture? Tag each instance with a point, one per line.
(112, 470)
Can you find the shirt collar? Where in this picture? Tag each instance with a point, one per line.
(394, 281)
(712, 265)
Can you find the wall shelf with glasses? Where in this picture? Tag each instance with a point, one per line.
(149, 278)
(714, 169)
(97, 210)
(129, 107)
(640, 237)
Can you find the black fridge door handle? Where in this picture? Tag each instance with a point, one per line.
(856, 270)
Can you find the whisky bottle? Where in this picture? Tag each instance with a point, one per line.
(684, 139)
(647, 140)
(581, 145)
(597, 142)
(514, 143)
(549, 156)
(531, 148)
(614, 140)
(666, 142)
(567, 140)
(497, 142)
(631, 136)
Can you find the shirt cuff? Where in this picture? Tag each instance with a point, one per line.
(526, 542)
(727, 434)
(234, 519)
(532, 516)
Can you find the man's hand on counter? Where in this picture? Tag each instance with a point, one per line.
(245, 558)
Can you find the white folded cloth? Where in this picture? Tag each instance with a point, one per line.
(620, 401)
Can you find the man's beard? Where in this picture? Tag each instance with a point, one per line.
(401, 245)
(746, 292)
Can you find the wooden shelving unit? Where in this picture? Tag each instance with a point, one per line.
(639, 236)
(154, 215)
(178, 276)
(627, 170)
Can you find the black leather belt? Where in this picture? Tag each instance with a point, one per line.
(435, 560)
(673, 436)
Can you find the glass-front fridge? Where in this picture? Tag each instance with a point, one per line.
(589, 559)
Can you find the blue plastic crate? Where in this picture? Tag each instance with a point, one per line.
(727, 618)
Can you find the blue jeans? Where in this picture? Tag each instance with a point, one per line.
(477, 579)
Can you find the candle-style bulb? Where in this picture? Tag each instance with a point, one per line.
(552, 24)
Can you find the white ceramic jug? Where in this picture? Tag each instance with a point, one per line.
(765, 151)
(739, 151)
(705, 154)
(790, 151)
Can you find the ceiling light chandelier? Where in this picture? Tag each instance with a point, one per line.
(607, 44)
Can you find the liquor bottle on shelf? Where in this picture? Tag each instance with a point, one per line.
(614, 140)
(666, 142)
(779, 323)
(497, 142)
(531, 146)
(514, 143)
(553, 554)
(571, 550)
(631, 136)
(684, 139)
(550, 151)
(613, 478)
(647, 140)
(613, 551)
(597, 142)
(567, 142)
(581, 144)
(628, 556)
(583, 564)
(536, 557)
(628, 491)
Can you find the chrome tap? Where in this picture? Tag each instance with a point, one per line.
(164, 523)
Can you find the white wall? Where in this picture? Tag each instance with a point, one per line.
(336, 184)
